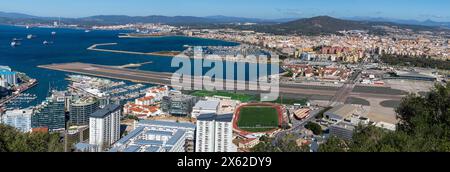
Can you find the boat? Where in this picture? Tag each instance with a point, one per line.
(87, 31)
(16, 39)
(47, 42)
(30, 36)
(53, 33)
(27, 27)
(14, 44)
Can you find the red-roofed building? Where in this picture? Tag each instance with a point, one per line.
(141, 111)
(148, 100)
(40, 130)
(158, 93)
(248, 143)
(334, 50)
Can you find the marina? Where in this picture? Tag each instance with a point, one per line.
(116, 91)
(18, 94)
(22, 98)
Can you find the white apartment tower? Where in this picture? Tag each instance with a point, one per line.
(20, 119)
(104, 127)
(214, 133)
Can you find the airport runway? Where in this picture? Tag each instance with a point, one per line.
(162, 78)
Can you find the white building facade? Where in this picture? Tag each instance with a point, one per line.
(214, 133)
(104, 127)
(204, 141)
(224, 137)
(20, 119)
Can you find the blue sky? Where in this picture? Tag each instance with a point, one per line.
(438, 10)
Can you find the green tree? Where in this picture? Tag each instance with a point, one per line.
(12, 140)
(424, 126)
(286, 144)
(334, 144)
(315, 128)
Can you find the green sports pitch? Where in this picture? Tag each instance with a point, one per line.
(258, 118)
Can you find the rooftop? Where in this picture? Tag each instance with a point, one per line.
(414, 74)
(5, 72)
(148, 142)
(207, 104)
(132, 149)
(19, 112)
(101, 113)
(158, 132)
(174, 139)
(153, 149)
(168, 124)
(341, 111)
(83, 101)
(165, 139)
(215, 117)
(344, 125)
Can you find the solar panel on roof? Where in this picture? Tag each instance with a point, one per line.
(132, 149)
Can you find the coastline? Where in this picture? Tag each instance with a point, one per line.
(173, 54)
(159, 53)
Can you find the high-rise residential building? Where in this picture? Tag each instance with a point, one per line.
(8, 75)
(51, 113)
(178, 104)
(20, 119)
(81, 108)
(157, 136)
(104, 126)
(3, 83)
(214, 133)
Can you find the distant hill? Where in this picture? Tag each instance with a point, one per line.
(307, 26)
(16, 15)
(228, 19)
(399, 21)
(218, 19)
(329, 25)
(318, 25)
(122, 19)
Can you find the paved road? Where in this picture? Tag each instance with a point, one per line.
(297, 126)
(346, 90)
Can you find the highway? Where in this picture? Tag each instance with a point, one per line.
(162, 78)
(344, 92)
(297, 127)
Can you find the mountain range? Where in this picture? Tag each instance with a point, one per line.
(124, 19)
(322, 25)
(15, 15)
(307, 26)
(318, 25)
(400, 21)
